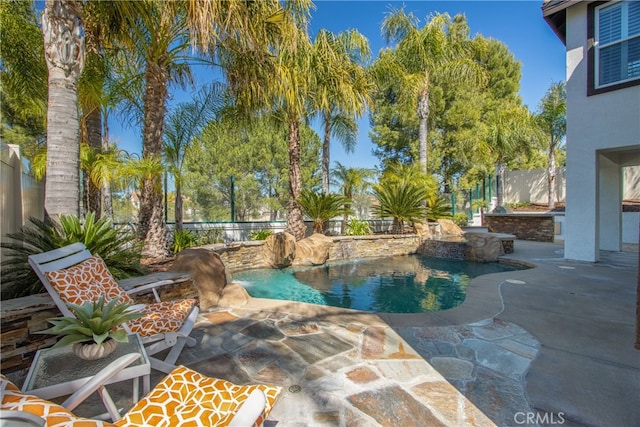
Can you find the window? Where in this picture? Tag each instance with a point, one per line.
(616, 43)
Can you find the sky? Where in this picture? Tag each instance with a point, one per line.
(517, 23)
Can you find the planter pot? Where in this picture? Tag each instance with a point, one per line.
(94, 351)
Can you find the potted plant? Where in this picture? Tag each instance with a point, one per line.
(93, 332)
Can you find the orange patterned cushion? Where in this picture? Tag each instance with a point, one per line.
(161, 317)
(187, 398)
(87, 281)
(54, 415)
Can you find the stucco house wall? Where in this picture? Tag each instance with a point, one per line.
(603, 134)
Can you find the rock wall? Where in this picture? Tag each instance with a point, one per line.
(536, 227)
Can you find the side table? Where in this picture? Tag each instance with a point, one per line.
(59, 372)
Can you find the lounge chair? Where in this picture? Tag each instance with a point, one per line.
(184, 397)
(72, 275)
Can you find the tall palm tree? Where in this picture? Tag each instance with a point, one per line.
(184, 124)
(64, 54)
(343, 89)
(420, 55)
(351, 181)
(552, 118)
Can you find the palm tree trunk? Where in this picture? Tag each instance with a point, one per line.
(552, 178)
(423, 117)
(93, 127)
(64, 54)
(151, 226)
(107, 202)
(178, 206)
(326, 154)
(295, 222)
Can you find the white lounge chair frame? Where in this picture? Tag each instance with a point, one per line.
(75, 253)
(247, 414)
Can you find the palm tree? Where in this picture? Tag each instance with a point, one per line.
(343, 89)
(322, 207)
(183, 125)
(552, 118)
(64, 54)
(401, 200)
(351, 180)
(419, 56)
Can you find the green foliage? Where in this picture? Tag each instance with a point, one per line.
(322, 207)
(438, 207)
(403, 201)
(119, 249)
(209, 237)
(358, 227)
(260, 234)
(95, 322)
(461, 219)
(183, 239)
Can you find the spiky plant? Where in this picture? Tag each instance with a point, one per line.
(322, 207)
(95, 322)
(438, 207)
(403, 201)
(358, 227)
(119, 249)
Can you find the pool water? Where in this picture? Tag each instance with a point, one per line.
(399, 284)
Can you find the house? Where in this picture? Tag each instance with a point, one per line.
(602, 39)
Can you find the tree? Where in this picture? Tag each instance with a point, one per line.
(322, 207)
(183, 125)
(343, 89)
(64, 54)
(552, 119)
(420, 55)
(352, 181)
(401, 200)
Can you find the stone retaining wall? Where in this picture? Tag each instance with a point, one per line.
(536, 227)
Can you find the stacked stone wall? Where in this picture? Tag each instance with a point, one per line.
(536, 227)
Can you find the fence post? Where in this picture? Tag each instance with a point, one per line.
(453, 204)
(233, 200)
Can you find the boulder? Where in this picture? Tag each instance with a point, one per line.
(313, 250)
(483, 247)
(423, 230)
(234, 295)
(279, 250)
(449, 228)
(207, 271)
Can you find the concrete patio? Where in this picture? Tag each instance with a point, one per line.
(546, 346)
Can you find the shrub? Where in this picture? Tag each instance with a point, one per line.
(182, 240)
(358, 227)
(118, 247)
(260, 234)
(402, 201)
(461, 219)
(438, 207)
(322, 207)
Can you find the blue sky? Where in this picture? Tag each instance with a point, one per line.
(517, 23)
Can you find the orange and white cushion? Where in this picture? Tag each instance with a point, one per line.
(53, 414)
(90, 279)
(87, 281)
(188, 398)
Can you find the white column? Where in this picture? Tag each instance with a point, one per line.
(610, 204)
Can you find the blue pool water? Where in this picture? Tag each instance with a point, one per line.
(399, 284)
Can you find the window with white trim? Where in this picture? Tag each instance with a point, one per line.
(617, 47)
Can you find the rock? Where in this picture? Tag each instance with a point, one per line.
(423, 230)
(279, 250)
(449, 228)
(234, 295)
(483, 247)
(207, 271)
(313, 250)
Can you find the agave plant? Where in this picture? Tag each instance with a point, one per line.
(403, 201)
(95, 322)
(119, 249)
(322, 207)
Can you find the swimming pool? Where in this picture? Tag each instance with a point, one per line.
(399, 284)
